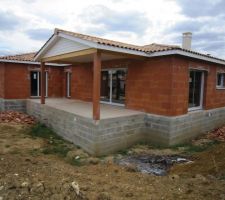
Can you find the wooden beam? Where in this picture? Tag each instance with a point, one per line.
(123, 55)
(43, 82)
(69, 55)
(96, 85)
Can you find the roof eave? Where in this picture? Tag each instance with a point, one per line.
(187, 54)
(30, 62)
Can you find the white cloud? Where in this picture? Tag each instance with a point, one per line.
(132, 21)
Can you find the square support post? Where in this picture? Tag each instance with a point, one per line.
(96, 85)
(43, 82)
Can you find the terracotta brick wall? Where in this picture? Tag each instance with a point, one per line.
(156, 85)
(213, 97)
(17, 81)
(149, 86)
(2, 78)
(81, 86)
(55, 81)
(179, 86)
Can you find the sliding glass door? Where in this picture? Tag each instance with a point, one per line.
(118, 86)
(105, 86)
(35, 84)
(113, 84)
(196, 87)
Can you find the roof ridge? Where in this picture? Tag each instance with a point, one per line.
(96, 37)
(163, 45)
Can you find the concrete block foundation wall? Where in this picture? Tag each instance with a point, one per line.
(100, 138)
(111, 135)
(13, 104)
(179, 129)
(119, 133)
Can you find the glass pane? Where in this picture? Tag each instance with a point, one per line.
(34, 83)
(68, 84)
(195, 81)
(105, 86)
(39, 74)
(219, 77)
(118, 86)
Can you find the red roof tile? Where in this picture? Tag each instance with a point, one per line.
(20, 57)
(146, 48)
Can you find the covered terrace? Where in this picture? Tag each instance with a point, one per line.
(72, 48)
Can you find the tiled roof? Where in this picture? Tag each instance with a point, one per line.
(146, 48)
(20, 57)
(151, 48)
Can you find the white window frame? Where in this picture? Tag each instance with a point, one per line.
(38, 84)
(111, 70)
(222, 85)
(68, 84)
(200, 107)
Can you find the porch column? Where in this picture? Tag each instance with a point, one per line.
(43, 82)
(96, 85)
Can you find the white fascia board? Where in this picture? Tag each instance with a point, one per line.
(46, 47)
(102, 46)
(121, 50)
(188, 54)
(31, 62)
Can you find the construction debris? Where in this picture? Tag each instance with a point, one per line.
(16, 117)
(217, 134)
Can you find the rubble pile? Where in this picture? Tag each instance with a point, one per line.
(217, 134)
(16, 117)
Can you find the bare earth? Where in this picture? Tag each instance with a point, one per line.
(26, 173)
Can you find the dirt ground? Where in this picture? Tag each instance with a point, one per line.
(28, 173)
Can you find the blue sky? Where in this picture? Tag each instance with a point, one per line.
(26, 24)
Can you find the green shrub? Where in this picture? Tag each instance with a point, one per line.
(40, 130)
(60, 150)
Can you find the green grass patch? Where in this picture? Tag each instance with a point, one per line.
(191, 148)
(60, 150)
(123, 151)
(187, 148)
(55, 143)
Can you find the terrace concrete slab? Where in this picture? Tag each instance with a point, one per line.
(84, 109)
